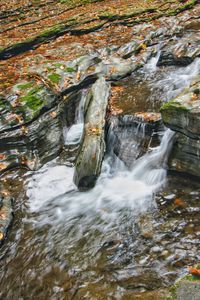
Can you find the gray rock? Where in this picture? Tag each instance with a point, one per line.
(6, 216)
(88, 165)
(185, 155)
(133, 134)
(182, 114)
(188, 290)
(180, 53)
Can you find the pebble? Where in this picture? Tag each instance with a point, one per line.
(165, 253)
(156, 249)
(169, 197)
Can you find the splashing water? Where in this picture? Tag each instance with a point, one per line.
(117, 187)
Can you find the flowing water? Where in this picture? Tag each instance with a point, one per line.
(125, 237)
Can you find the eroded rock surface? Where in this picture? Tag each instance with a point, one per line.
(182, 115)
(88, 165)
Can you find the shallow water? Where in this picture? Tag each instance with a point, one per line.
(151, 86)
(136, 231)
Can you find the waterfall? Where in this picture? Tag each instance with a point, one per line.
(151, 168)
(74, 134)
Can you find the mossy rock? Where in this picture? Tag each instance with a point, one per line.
(27, 100)
(182, 114)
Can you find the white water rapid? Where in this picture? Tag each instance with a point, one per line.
(116, 188)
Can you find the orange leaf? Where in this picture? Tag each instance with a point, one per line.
(179, 202)
(194, 271)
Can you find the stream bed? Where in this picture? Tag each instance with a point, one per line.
(135, 232)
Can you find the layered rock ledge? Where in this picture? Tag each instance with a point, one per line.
(182, 115)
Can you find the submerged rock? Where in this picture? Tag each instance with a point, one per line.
(88, 165)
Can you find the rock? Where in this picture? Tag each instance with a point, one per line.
(133, 134)
(88, 165)
(181, 53)
(182, 114)
(27, 101)
(34, 144)
(188, 290)
(62, 75)
(116, 68)
(185, 155)
(6, 216)
(169, 197)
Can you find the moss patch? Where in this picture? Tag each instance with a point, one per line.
(55, 78)
(25, 86)
(173, 105)
(31, 100)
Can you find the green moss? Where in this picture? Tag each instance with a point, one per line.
(55, 78)
(70, 70)
(196, 91)
(53, 30)
(58, 65)
(49, 69)
(31, 100)
(173, 105)
(2, 103)
(25, 86)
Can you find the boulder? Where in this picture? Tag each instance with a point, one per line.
(134, 134)
(89, 161)
(180, 53)
(185, 155)
(182, 115)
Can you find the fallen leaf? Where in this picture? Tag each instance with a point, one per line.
(194, 271)
(179, 202)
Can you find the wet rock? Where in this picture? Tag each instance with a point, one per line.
(134, 134)
(186, 288)
(169, 197)
(6, 216)
(182, 114)
(180, 53)
(169, 59)
(27, 100)
(116, 68)
(185, 155)
(88, 165)
(34, 144)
